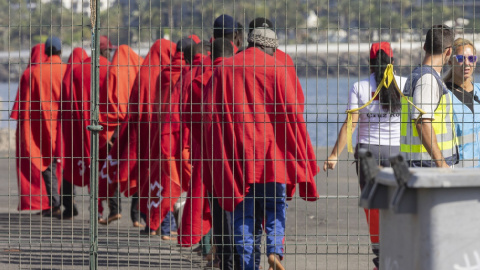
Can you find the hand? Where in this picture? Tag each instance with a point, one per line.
(330, 163)
(444, 165)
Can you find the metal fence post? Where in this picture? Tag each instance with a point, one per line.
(94, 128)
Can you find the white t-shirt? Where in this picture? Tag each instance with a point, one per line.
(426, 96)
(375, 126)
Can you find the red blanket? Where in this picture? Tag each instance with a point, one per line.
(123, 165)
(115, 93)
(196, 219)
(76, 118)
(256, 132)
(76, 58)
(36, 109)
(37, 56)
(170, 168)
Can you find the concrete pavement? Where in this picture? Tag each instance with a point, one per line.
(330, 233)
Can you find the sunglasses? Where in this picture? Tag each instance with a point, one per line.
(461, 58)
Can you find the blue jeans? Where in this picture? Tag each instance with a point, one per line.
(168, 224)
(270, 198)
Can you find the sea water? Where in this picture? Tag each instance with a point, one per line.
(325, 104)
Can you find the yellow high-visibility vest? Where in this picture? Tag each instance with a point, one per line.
(410, 144)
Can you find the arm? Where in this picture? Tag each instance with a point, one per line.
(429, 141)
(331, 162)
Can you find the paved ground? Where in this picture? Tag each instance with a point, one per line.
(328, 234)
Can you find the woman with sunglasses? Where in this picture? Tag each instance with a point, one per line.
(466, 102)
(378, 124)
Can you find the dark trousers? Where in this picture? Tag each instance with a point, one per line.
(223, 237)
(51, 184)
(134, 212)
(68, 193)
(115, 206)
(115, 203)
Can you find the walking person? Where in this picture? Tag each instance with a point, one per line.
(378, 123)
(113, 109)
(39, 97)
(262, 151)
(31, 189)
(76, 59)
(466, 102)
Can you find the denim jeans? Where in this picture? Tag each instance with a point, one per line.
(271, 199)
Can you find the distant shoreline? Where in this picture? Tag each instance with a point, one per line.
(319, 65)
(311, 60)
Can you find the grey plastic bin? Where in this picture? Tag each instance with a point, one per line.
(431, 222)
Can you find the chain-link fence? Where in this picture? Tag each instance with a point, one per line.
(207, 134)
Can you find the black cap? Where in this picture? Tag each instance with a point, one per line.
(260, 22)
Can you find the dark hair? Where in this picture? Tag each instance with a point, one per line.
(188, 54)
(439, 38)
(229, 36)
(240, 29)
(49, 51)
(194, 49)
(221, 47)
(389, 97)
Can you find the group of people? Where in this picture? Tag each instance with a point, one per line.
(429, 119)
(223, 123)
(217, 120)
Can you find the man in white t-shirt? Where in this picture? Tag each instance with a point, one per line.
(429, 139)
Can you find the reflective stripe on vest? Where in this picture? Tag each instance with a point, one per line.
(412, 146)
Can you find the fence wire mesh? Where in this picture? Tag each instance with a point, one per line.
(199, 133)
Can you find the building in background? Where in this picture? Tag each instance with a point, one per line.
(81, 6)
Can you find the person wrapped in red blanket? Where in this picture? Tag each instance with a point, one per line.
(76, 59)
(130, 153)
(196, 219)
(31, 189)
(39, 96)
(114, 97)
(170, 167)
(76, 118)
(257, 145)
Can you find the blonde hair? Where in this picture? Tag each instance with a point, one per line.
(459, 42)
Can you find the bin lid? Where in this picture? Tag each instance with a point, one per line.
(433, 178)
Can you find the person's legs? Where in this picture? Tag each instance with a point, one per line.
(243, 227)
(275, 216)
(223, 237)
(259, 217)
(206, 244)
(168, 224)
(134, 211)
(51, 184)
(115, 204)
(115, 207)
(68, 192)
(381, 153)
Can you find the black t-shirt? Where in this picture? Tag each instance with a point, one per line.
(466, 97)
